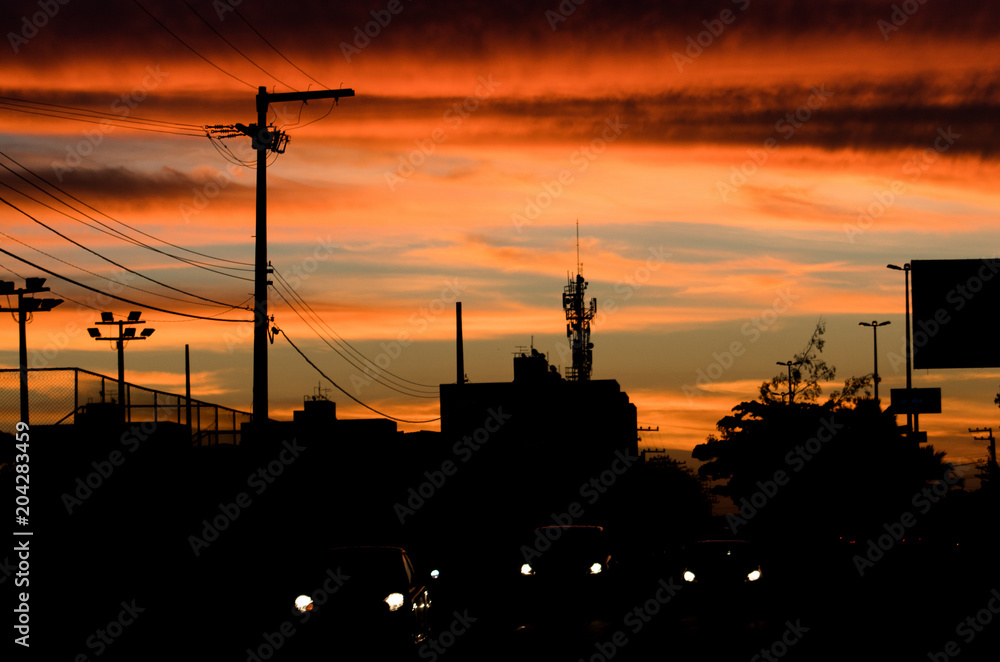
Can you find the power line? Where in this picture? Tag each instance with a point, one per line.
(337, 386)
(16, 102)
(183, 43)
(106, 259)
(97, 275)
(273, 48)
(247, 266)
(100, 122)
(231, 45)
(61, 296)
(341, 341)
(115, 296)
(375, 377)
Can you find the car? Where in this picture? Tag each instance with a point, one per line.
(370, 591)
(565, 567)
(565, 552)
(722, 563)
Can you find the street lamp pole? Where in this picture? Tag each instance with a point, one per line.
(875, 378)
(911, 419)
(789, 364)
(26, 306)
(124, 335)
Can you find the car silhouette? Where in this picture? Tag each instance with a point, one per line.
(362, 591)
(722, 563)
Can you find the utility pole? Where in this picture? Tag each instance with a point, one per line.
(124, 335)
(25, 307)
(992, 447)
(263, 141)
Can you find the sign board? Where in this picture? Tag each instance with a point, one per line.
(919, 401)
(955, 304)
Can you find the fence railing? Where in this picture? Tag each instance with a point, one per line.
(57, 395)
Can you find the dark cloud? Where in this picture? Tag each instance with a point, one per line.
(437, 30)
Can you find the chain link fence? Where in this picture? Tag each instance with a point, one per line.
(57, 395)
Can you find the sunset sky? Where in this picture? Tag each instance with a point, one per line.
(738, 169)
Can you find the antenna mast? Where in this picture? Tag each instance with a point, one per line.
(578, 317)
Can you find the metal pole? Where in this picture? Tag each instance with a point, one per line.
(789, 382)
(23, 355)
(260, 395)
(187, 384)
(121, 373)
(875, 336)
(458, 349)
(912, 419)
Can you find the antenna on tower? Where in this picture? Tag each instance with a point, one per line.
(579, 265)
(578, 317)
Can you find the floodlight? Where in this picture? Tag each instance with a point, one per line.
(107, 317)
(34, 284)
(147, 333)
(129, 333)
(6, 287)
(49, 304)
(134, 316)
(94, 333)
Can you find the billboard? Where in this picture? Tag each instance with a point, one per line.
(916, 400)
(956, 305)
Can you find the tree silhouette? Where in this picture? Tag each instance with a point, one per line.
(810, 470)
(808, 373)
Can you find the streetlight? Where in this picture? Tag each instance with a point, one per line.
(25, 307)
(789, 364)
(912, 421)
(875, 325)
(124, 335)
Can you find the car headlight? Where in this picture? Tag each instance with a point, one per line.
(688, 576)
(753, 576)
(526, 569)
(304, 603)
(395, 601)
(595, 568)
